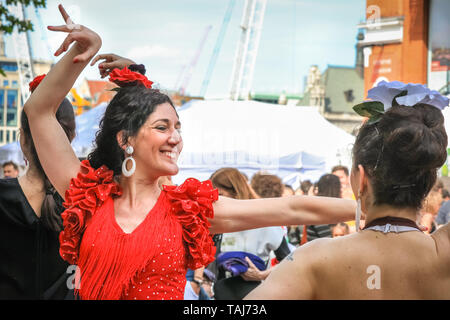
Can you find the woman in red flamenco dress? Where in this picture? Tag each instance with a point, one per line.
(123, 249)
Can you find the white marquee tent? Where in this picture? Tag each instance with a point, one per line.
(295, 143)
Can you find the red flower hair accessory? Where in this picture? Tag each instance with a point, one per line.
(33, 84)
(128, 78)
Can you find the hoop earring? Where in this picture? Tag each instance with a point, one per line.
(128, 173)
(358, 212)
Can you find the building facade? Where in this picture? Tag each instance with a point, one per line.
(408, 41)
(334, 92)
(10, 94)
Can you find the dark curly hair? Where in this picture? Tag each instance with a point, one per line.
(127, 111)
(401, 154)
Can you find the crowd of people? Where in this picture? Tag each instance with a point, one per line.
(128, 232)
(275, 243)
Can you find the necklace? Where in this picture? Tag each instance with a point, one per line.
(392, 224)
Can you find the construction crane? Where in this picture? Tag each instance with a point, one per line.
(22, 51)
(244, 63)
(190, 69)
(213, 60)
(180, 75)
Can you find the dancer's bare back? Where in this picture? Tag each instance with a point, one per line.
(367, 265)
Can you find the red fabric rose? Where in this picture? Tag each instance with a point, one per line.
(69, 247)
(89, 190)
(33, 84)
(73, 221)
(192, 204)
(126, 78)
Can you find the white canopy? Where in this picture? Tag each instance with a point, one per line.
(11, 152)
(295, 143)
(87, 125)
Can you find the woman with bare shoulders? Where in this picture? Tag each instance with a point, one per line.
(395, 160)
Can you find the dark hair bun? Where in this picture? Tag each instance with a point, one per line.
(414, 138)
(402, 152)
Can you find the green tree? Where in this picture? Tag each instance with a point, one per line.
(9, 21)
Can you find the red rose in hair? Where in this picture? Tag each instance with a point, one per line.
(33, 84)
(127, 78)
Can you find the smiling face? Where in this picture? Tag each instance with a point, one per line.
(158, 143)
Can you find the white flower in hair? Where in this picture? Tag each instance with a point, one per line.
(386, 94)
(406, 94)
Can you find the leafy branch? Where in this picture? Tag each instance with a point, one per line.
(8, 21)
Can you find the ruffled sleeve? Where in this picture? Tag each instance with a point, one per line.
(192, 203)
(86, 193)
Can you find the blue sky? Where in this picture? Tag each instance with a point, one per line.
(164, 35)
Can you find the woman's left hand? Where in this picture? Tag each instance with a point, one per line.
(111, 61)
(87, 41)
(253, 273)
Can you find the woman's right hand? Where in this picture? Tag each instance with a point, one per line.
(111, 62)
(87, 41)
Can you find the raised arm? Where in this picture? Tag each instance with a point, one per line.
(53, 148)
(232, 215)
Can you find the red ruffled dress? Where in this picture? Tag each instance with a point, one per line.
(150, 262)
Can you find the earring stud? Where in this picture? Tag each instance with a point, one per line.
(129, 150)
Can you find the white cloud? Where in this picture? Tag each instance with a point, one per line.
(152, 51)
(55, 39)
(74, 12)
